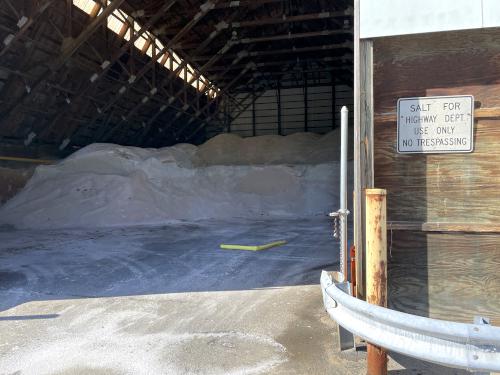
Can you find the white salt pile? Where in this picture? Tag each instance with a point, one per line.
(228, 176)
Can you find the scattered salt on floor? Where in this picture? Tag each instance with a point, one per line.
(112, 344)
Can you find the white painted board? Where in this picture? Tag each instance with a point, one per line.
(379, 18)
(435, 124)
(491, 13)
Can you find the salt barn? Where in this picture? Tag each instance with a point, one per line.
(249, 187)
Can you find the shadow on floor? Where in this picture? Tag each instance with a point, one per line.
(182, 257)
(28, 317)
(416, 367)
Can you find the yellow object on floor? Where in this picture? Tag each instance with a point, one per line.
(252, 248)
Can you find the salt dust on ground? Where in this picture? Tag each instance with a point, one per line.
(228, 176)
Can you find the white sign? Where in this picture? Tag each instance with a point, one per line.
(436, 124)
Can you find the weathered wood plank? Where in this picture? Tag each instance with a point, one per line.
(451, 275)
(440, 187)
(451, 63)
(363, 141)
(443, 227)
(445, 276)
(479, 113)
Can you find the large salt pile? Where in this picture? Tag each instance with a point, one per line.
(228, 176)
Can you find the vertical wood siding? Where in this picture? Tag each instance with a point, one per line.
(447, 273)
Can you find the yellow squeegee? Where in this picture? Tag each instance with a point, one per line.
(252, 248)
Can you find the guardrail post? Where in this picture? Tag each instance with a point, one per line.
(376, 268)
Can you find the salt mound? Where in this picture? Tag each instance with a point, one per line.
(297, 148)
(111, 185)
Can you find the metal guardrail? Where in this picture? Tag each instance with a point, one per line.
(459, 345)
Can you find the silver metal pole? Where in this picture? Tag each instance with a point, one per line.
(344, 114)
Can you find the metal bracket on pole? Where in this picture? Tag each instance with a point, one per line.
(342, 213)
(336, 216)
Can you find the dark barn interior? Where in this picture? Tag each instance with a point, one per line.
(137, 137)
(107, 72)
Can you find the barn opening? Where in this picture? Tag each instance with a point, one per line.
(136, 137)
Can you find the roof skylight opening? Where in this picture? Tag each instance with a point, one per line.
(124, 26)
(86, 5)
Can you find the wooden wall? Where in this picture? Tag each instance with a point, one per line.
(444, 209)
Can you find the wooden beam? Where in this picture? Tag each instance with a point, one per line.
(204, 9)
(241, 111)
(291, 50)
(245, 3)
(306, 103)
(278, 106)
(443, 227)
(274, 38)
(291, 61)
(12, 8)
(289, 19)
(69, 50)
(334, 102)
(311, 34)
(221, 92)
(195, 75)
(24, 23)
(202, 70)
(106, 65)
(227, 118)
(72, 47)
(244, 107)
(69, 19)
(254, 113)
(363, 142)
(210, 102)
(339, 71)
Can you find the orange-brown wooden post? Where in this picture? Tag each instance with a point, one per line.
(376, 268)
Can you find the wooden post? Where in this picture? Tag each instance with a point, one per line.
(376, 268)
(254, 126)
(278, 93)
(306, 105)
(363, 142)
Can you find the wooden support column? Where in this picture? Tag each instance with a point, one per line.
(204, 9)
(278, 97)
(254, 117)
(306, 105)
(227, 117)
(244, 107)
(72, 47)
(67, 52)
(24, 25)
(244, 100)
(221, 92)
(363, 141)
(334, 104)
(69, 18)
(376, 268)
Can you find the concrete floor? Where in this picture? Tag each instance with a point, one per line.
(167, 300)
